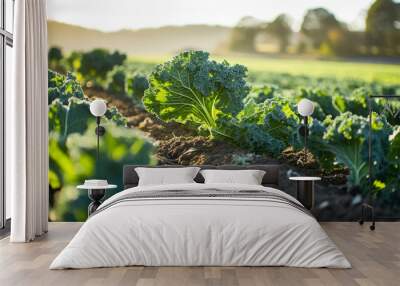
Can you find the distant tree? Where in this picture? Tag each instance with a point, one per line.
(317, 24)
(341, 41)
(244, 34)
(281, 30)
(98, 62)
(382, 27)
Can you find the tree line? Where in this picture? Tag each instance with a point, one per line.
(321, 32)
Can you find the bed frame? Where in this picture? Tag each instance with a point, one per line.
(271, 177)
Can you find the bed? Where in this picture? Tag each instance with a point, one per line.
(197, 224)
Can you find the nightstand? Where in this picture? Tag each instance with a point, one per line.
(305, 190)
(96, 194)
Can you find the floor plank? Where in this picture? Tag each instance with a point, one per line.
(375, 257)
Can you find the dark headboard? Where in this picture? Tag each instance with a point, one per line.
(271, 177)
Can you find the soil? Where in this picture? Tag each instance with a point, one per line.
(185, 150)
(301, 158)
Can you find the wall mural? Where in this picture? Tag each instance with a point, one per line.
(220, 94)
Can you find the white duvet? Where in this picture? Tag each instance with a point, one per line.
(193, 231)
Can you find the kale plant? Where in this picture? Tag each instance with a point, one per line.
(137, 85)
(63, 87)
(194, 90)
(116, 81)
(346, 137)
(267, 127)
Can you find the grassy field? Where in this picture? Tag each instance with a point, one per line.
(382, 73)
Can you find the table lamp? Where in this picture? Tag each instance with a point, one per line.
(305, 107)
(98, 108)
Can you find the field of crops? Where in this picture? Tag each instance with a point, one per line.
(193, 110)
(369, 72)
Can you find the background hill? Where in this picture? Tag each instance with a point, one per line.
(149, 41)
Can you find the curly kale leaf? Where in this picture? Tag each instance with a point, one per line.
(137, 85)
(259, 94)
(193, 89)
(318, 147)
(63, 87)
(346, 136)
(268, 127)
(65, 120)
(250, 136)
(116, 81)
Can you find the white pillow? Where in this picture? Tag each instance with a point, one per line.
(248, 177)
(166, 176)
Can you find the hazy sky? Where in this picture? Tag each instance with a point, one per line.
(111, 15)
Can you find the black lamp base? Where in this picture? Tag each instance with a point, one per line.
(100, 130)
(303, 131)
(96, 196)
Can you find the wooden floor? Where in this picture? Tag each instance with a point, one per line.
(375, 257)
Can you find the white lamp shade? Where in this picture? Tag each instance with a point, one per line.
(98, 107)
(305, 107)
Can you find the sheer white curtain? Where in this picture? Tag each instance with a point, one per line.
(27, 126)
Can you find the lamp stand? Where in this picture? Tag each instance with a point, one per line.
(368, 203)
(100, 131)
(305, 118)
